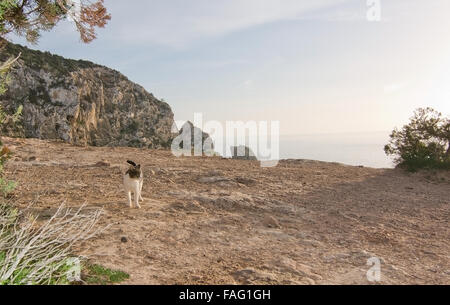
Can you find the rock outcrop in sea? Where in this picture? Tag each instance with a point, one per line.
(242, 153)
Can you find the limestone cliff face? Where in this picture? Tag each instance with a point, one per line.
(82, 103)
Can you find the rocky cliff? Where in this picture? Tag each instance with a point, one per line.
(81, 103)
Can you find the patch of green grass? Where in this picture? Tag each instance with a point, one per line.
(6, 187)
(99, 275)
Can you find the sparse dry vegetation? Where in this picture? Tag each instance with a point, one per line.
(208, 220)
(32, 253)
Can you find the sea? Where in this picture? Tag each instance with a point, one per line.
(365, 148)
(358, 148)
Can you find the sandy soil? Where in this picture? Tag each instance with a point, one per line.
(218, 221)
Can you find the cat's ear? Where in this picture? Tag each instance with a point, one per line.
(131, 162)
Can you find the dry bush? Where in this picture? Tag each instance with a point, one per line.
(31, 253)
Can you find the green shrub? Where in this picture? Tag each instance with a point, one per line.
(99, 275)
(423, 143)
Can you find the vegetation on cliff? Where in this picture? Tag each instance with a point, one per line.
(81, 103)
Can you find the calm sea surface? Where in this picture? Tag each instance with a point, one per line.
(350, 148)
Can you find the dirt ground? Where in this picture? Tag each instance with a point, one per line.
(221, 221)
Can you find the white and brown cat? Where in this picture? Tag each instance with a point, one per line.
(132, 182)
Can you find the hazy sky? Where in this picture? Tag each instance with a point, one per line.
(317, 66)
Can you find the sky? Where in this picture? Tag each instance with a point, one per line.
(316, 66)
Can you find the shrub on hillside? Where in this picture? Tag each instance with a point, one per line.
(423, 143)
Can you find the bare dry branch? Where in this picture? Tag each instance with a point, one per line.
(31, 253)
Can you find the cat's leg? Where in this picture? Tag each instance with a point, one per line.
(129, 199)
(141, 183)
(137, 194)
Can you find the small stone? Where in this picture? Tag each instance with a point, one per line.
(245, 181)
(271, 222)
(102, 164)
(124, 239)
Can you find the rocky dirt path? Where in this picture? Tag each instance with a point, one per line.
(217, 221)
